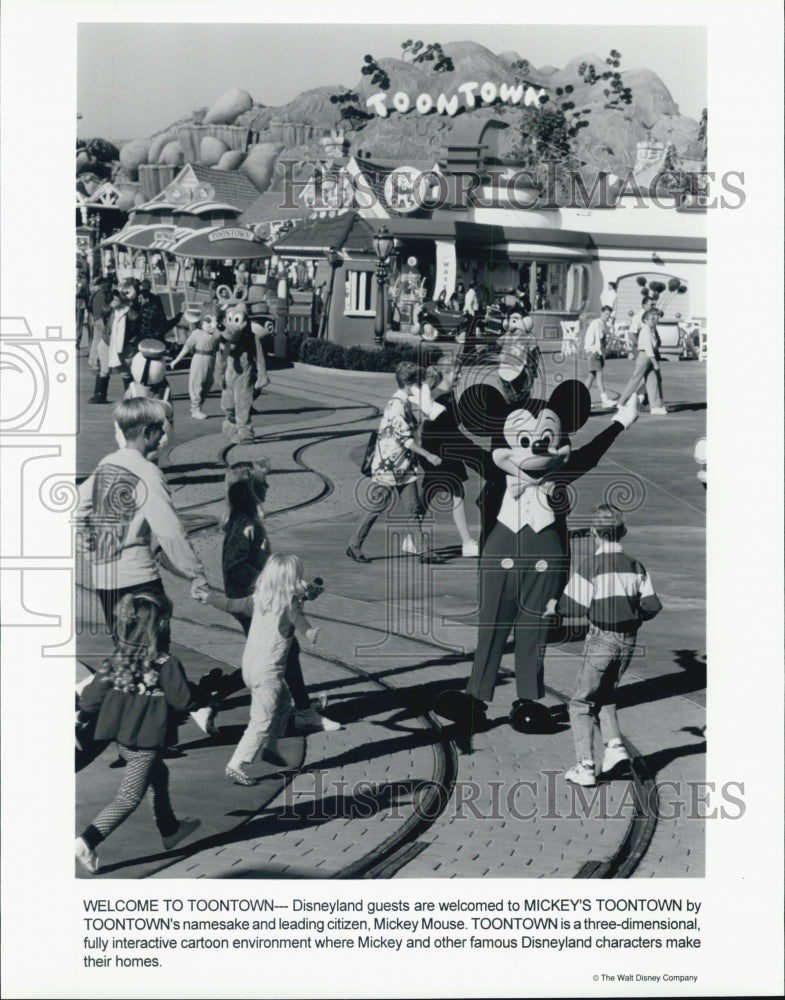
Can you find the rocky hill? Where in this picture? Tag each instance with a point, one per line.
(301, 129)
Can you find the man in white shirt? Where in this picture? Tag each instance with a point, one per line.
(594, 341)
(471, 303)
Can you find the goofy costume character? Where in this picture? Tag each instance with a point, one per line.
(239, 376)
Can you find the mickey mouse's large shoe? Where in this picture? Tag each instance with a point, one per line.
(461, 707)
(530, 717)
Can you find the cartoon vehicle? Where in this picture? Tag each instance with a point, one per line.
(435, 321)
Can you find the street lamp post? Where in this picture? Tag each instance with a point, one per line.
(281, 312)
(334, 261)
(383, 244)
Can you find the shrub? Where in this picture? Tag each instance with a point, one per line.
(294, 343)
(360, 359)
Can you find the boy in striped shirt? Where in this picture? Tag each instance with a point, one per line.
(616, 595)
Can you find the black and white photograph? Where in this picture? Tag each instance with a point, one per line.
(362, 518)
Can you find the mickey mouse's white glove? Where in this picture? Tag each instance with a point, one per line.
(627, 414)
(428, 405)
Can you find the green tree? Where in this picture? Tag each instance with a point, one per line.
(549, 132)
(419, 52)
(351, 112)
(379, 77)
(354, 115)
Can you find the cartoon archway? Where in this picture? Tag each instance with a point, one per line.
(672, 301)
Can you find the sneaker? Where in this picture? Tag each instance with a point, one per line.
(606, 401)
(658, 411)
(238, 776)
(198, 415)
(312, 718)
(87, 859)
(98, 399)
(615, 753)
(582, 774)
(205, 720)
(470, 549)
(186, 827)
(211, 728)
(408, 548)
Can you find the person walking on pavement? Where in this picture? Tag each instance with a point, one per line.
(471, 303)
(276, 613)
(153, 323)
(636, 325)
(121, 339)
(647, 366)
(442, 436)
(99, 303)
(246, 549)
(205, 342)
(102, 351)
(137, 694)
(82, 307)
(393, 471)
(127, 520)
(126, 331)
(597, 334)
(616, 595)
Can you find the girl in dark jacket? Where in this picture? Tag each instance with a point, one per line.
(138, 694)
(246, 550)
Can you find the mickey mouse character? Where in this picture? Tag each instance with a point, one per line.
(525, 562)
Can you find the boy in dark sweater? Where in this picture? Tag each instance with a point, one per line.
(616, 595)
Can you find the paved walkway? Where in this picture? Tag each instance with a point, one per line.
(368, 800)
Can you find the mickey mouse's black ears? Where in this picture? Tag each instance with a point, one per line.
(482, 409)
(571, 400)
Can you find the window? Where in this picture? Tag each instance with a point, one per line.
(578, 287)
(360, 297)
(550, 285)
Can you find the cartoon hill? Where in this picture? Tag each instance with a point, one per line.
(238, 133)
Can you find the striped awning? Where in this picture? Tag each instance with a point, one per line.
(160, 237)
(222, 243)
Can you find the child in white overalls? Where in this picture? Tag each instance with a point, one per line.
(204, 342)
(276, 613)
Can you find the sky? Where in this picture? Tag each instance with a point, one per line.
(136, 79)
